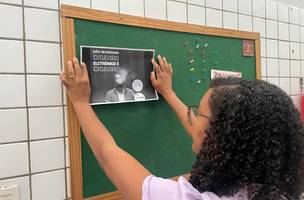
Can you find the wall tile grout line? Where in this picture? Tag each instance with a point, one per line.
(33, 173)
(26, 103)
(266, 59)
(63, 109)
(41, 106)
(289, 51)
(278, 46)
(34, 140)
(22, 73)
(30, 40)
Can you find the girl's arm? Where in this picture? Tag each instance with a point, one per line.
(123, 170)
(163, 85)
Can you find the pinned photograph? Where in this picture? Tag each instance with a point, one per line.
(119, 75)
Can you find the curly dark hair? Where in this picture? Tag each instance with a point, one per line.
(254, 140)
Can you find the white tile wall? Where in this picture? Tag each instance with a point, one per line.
(214, 4)
(259, 26)
(245, 7)
(271, 29)
(230, 5)
(44, 90)
(284, 68)
(285, 85)
(11, 1)
(230, 20)
(302, 34)
(52, 4)
(272, 48)
(12, 91)
(271, 10)
(196, 2)
(15, 28)
(41, 24)
(283, 31)
(196, 15)
(263, 67)
(272, 67)
(13, 125)
(106, 5)
(80, 3)
(294, 15)
(295, 68)
(48, 186)
(132, 7)
(282, 38)
(302, 17)
(12, 56)
(245, 23)
(43, 57)
(177, 11)
(295, 88)
(214, 18)
(284, 49)
(155, 9)
(42, 127)
(51, 158)
(294, 33)
(283, 13)
(15, 155)
(295, 50)
(259, 9)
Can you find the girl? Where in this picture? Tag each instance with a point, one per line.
(247, 137)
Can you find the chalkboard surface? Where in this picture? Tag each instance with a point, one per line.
(150, 131)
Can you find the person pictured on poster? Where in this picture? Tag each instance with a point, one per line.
(119, 75)
(120, 93)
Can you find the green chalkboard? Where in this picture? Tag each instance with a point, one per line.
(150, 131)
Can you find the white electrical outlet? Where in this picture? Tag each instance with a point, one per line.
(9, 192)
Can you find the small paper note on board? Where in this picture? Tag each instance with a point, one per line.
(248, 48)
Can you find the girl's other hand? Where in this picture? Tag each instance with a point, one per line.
(162, 82)
(76, 82)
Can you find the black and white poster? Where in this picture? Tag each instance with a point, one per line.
(119, 75)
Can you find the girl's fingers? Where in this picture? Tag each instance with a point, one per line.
(70, 70)
(63, 80)
(153, 78)
(161, 63)
(170, 69)
(156, 66)
(77, 69)
(166, 64)
(84, 70)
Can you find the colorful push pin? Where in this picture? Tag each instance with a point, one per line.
(197, 46)
(192, 69)
(199, 81)
(191, 61)
(186, 43)
(206, 45)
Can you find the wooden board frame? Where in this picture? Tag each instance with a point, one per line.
(68, 14)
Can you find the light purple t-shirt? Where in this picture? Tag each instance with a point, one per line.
(155, 188)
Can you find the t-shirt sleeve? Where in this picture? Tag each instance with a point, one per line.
(155, 188)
